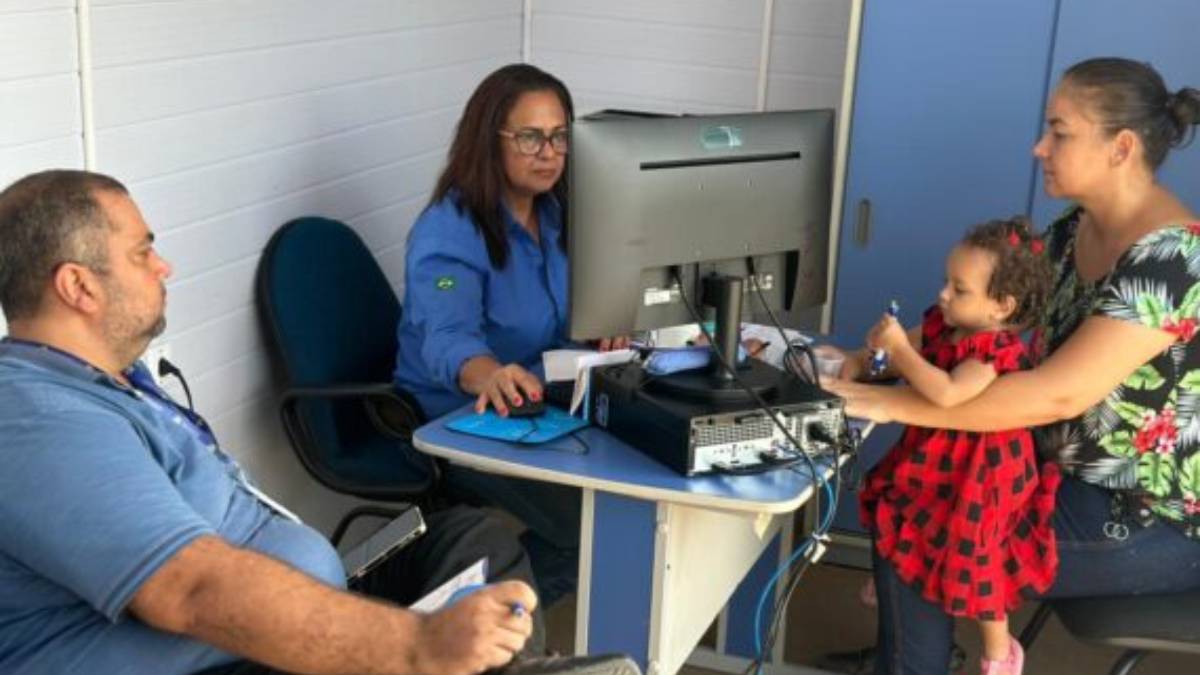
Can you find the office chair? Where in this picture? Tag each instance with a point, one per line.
(331, 317)
(1138, 623)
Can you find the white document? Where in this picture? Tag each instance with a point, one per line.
(584, 370)
(475, 575)
(562, 364)
(773, 353)
(576, 364)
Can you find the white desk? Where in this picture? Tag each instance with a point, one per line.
(660, 554)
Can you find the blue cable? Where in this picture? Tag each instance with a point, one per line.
(801, 552)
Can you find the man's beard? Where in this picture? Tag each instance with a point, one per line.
(125, 333)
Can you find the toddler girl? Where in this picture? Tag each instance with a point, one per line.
(965, 516)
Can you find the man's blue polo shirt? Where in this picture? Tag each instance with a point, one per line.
(102, 483)
(456, 305)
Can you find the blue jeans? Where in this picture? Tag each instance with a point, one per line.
(915, 636)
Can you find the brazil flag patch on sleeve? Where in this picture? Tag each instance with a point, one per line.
(445, 283)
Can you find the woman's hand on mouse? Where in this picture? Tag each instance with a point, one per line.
(510, 383)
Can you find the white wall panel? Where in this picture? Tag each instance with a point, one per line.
(378, 227)
(227, 118)
(39, 90)
(39, 109)
(696, 56)
(182, 198)
(200, 246)
(136, 151)
(158, 32)
(159, 89)
(218, 341)
(739, 14)
(13, 7)
(19, 160)
(808, 54)
(34, 44)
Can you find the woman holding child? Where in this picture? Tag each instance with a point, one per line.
(1115, 399)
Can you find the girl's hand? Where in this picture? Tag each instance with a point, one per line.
(868, 401)
(887, 335)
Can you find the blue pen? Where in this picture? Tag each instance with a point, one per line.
(879, 358)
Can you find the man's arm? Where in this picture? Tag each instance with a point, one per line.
(257, 607)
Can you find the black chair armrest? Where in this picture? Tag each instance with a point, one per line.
(394, 413)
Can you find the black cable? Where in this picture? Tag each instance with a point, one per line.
(762, 404)
(793, 581)
(790, 360)
(846, 444)
(847, 435)
(818, 481)
(165, 368)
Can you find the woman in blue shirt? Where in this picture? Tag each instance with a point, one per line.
(486, 290)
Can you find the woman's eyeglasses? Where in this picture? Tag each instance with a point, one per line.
(531, 141)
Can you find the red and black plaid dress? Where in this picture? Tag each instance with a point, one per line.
(965, 516)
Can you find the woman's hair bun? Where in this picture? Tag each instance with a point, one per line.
(1184, 108)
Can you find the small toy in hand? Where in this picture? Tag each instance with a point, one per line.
(879, 358)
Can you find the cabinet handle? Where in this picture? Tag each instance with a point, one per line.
(862, 228)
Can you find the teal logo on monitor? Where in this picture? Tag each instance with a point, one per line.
(721, 137)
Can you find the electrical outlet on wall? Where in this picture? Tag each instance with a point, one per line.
(156, 351)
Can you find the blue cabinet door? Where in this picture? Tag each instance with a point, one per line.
(948, 101)
(1162, 33)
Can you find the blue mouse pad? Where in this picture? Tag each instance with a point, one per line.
(545, 427)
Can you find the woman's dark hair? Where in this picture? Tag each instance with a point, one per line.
(1131, 95)
(1021, 269)
(475, 166)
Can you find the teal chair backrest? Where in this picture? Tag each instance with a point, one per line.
(334, 311)
(332, 316)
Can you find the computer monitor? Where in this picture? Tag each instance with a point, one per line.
(653, 199)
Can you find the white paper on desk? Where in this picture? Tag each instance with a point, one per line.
(584, 368)
(773, 353)
(576, 364)
(562, 365)
(475, 575)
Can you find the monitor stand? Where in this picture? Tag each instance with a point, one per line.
(715, 384)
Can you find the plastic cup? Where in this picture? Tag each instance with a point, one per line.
(829, 361)
(830, 365)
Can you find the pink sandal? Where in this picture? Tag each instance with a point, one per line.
(1012, 665)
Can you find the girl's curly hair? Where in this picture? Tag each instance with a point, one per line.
(1021, 270)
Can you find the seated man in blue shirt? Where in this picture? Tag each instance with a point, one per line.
(129, 542)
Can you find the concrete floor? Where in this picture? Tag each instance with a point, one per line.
(843, 624)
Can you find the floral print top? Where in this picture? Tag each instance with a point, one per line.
(1143, 439)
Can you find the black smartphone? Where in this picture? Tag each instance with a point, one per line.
(392, 537)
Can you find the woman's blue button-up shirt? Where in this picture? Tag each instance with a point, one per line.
(457, 306)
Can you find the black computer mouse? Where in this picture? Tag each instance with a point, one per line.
(528, 408)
